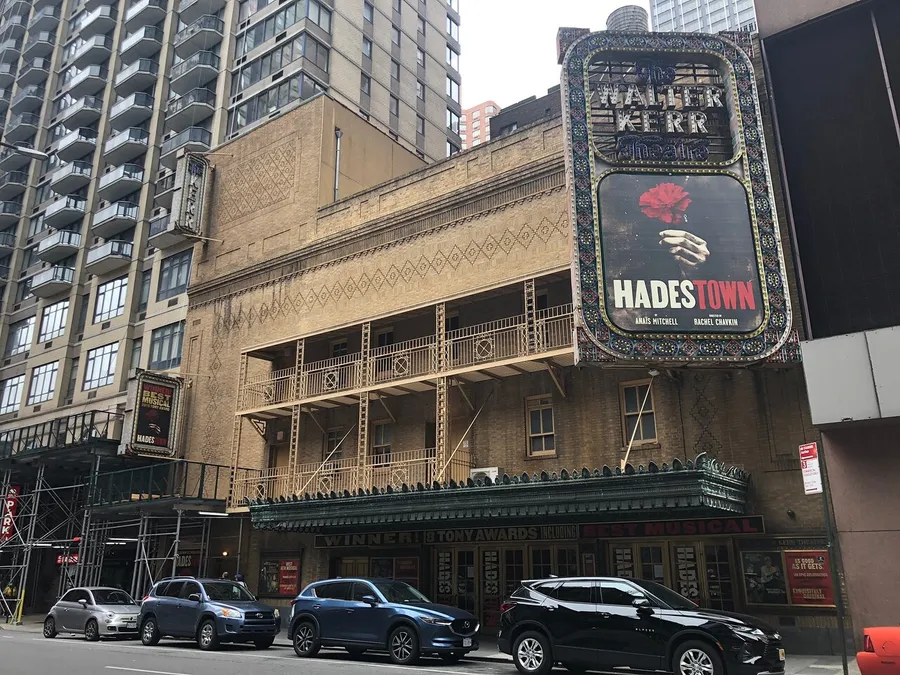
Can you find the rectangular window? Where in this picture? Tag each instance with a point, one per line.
(420, 125)
(453, 89)
(382, 434)
(110, 299)
(43, 383)
(100, 367)
(368, 12)
(395, 35)
(53, 321)
(420, 90)
(420, 57)
(137, 347)
(398, 5)
(73, 380)
(452, 149)
(454, 4)
(319, 15)
(165, 346)
(452, 58)
(540, 426)
(452, 121)
(20, 334)
(174, 275)
(144, 298)
(421, 26)
(338, 348)
(333, 450)
(365, 84)
(395, 70)
(11, 394)
(395, 106)
(367, 47)
(452, 29)
(641, 423)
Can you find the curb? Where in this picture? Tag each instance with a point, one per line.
(473, 656)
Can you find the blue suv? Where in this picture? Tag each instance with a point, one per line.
(210, 611)
(379, 615)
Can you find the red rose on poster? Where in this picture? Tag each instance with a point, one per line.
(666, 201)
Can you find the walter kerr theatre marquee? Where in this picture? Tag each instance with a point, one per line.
(677, 254)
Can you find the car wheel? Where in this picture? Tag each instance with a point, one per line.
(355, 652)
(50, 627)
(306, 643)
(91, 631)
(403, 646)
(697, 658)
(264, 644)
(532, 654)
(208, 636)
(454, 657)
(149, 632)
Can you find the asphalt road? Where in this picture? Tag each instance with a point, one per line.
(26, 653)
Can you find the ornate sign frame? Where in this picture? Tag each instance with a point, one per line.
(597, 339)
(137, 443)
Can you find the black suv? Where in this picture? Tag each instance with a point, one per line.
(606, 623)
(210, 611)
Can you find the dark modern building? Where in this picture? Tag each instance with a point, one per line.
(834, 69)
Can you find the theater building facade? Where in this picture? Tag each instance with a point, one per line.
(394, 361)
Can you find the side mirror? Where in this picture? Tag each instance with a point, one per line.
(194, 597)
(82, 602)
(370, 600)
(642, 604)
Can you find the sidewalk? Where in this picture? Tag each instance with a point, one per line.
(488, 653)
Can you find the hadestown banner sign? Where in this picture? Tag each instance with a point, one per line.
(677, 255)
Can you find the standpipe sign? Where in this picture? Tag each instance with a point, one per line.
(155, 415)
(677, 255)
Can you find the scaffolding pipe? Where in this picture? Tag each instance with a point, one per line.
(176, 543)
(35, 505)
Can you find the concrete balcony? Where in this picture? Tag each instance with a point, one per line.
(15, 7)
(11, 159)
(190, 108)
(191, 10)
(108, 257)
(98, 22)
(193, 72)
(40, 4)
(76, 144)
(200, 34)
(35, 71)
(142, 44)
(120, 182)
(89, 81)
(64, 212)
(52, 282)
(145, 13)
(12, 184)
(163, 233)
(4, 101)
(21, 127)
(28, 99)
(114, 219)
(95, 50)
(7, 241)
(192, 139)
(165, 190)
(8, 73)
(125, 146)
(131, 111)
(44, 19)
(39, 45)
(139, 75)
(82, 112)
(70, 178)
(10, 50)
(59, 246)
(9, 213)
(14, 25)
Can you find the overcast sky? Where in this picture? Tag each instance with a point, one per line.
(509, 46)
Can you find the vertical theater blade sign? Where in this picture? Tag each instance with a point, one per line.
(677, 255)
(155, 415)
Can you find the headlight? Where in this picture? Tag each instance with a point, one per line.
(277, 613)
(110, 616)
(229, 613)
(749, 630)
(436, 622)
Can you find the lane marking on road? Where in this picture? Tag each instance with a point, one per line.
(815, 665)
(141, 670)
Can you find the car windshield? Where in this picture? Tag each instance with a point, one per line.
(112, 596)
(397, 591)
(668, 596)
(225, 591)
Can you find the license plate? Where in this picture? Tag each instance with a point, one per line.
(781, 655)
(131, 624)
(467, 642)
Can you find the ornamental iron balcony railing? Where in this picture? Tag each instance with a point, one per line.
(72, 431)
(180, 480)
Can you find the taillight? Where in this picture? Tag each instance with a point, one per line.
(506, 606)
(294, 601)
(144, 599)
(867, 644)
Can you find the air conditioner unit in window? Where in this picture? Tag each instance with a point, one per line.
(492, 472)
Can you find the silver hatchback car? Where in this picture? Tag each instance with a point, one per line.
(94, 613)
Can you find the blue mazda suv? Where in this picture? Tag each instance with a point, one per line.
(379, 615)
